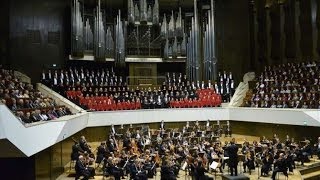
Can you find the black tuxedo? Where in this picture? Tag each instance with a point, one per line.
(82, 170)
(167, 173)
(101, 152)
(233, 158)
(279, 166)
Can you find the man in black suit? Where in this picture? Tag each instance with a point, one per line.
(233, 157)
(76, 150)
(280, 166)
(167, 172)
(81, 169)
(101, 152)
(200, 172)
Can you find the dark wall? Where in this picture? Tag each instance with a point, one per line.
(4, 31)
(17, 168)
(232, 32)
(39, 34)
(288, 31)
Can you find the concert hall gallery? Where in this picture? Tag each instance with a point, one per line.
(160, 89)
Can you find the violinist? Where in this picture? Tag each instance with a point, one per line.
(279, 166)
(116, 171)
(289, 157)
(76, 151)
(84, 145)
(306, 151)
(82, 169)
(267, 161)
(167, 172)
(249, 161)
(287, 142)
(317, 148)
(101, 152)
(112, 146)
(200, 171)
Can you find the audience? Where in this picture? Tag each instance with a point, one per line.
(28, 104)
(291, 85)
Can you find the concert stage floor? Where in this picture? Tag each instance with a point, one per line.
(254, 174)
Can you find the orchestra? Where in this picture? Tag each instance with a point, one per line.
(196, 150)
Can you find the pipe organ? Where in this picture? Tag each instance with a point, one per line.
(173, 35)
(140, 34)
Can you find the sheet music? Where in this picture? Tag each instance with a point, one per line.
(214, 165)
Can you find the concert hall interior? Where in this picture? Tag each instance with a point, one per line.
(160, 89)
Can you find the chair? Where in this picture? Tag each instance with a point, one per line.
(72, 164)
(285, 177)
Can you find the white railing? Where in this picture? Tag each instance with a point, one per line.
(22, 77)
(241, 91)
(59, 99)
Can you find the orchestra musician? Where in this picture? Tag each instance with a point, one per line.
(199, 173)
(249, 161)
(82, 169)
(101, 152)
(84, 145)
(141, 153)
(279, 166)
(167, 172)
(317, 148)
(76, 151)
(267, 161)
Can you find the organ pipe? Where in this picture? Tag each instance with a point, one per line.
(120, 46)
(155, 13)
(88, 36)
(77, 42)
(143, 11)
(136, 13)
(109, 44)
(131, 14)
(209, 52)
(149, 14)
(99, 34)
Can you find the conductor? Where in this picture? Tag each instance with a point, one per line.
(233, 157)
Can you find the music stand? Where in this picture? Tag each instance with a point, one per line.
(195, 139)
(176, 134)
(214, 165)
(240, 159)
(199, 133)
(258, 162)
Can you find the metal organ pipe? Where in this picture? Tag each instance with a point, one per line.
(77, 44)
(155, 13)
(99, 34)
(120, 46)
(88, 36)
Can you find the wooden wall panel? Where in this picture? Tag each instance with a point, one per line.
(232, 33)
(43, 16)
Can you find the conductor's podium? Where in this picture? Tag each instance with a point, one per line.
(239, 177)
